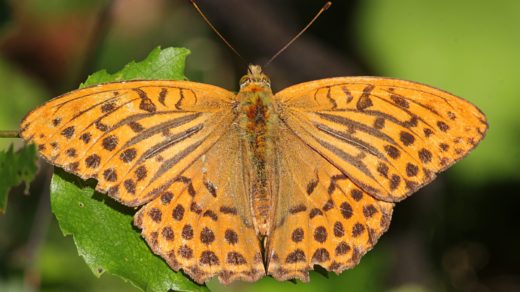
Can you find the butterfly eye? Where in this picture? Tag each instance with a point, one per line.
(266, 81)
(244, 81)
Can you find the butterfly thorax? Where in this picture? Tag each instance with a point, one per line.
(257, 118)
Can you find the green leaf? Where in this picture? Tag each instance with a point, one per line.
(167, 64)
(102, 228)
(15, 168)
(106, 239)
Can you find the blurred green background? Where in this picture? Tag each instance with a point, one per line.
(458, 234)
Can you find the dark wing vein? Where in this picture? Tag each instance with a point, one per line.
(352, 160)
(168, 164)
(349, 139)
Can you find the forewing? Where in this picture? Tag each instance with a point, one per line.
(388, 136)
(203, 223)
(134, 137)
(320, 216)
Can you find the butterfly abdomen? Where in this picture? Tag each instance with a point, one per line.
(257, 122)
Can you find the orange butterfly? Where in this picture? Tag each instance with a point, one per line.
(245, 185)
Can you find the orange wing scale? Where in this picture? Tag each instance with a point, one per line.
(135, 137)
(389, 136)
(201, 223)
(321, 217)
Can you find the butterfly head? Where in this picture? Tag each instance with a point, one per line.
(255, 77)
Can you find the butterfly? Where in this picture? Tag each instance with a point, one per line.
(245, 185)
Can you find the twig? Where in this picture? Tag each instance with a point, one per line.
(9, 134)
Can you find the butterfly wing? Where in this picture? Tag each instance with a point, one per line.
(203, 222)
(173, 145)
(320, 216)
(388, 136)
(134, 137)
(346, 149)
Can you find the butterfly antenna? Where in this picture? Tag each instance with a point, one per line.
(216, 31)
(325, 7)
